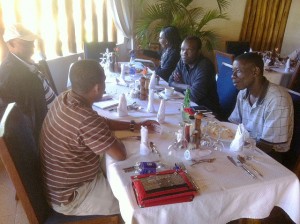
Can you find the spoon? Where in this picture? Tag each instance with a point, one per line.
(154, 149)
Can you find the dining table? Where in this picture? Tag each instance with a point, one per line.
(279, 75)
(226, 192)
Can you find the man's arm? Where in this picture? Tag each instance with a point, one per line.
(176, 80)
(201, 80)
(116, 125)
(117, 150)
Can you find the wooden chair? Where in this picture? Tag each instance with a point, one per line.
(20, 157)
(93, 50)
(227, 92)
(295, 79)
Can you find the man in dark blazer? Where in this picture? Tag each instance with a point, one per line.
(20, 79)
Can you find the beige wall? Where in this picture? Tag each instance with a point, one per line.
(291, 40)
(230, 29)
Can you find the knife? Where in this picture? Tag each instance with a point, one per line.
(232, 160)
(242, 160)
(241, 165)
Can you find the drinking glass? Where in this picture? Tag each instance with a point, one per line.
(218, 144)
(205, 138)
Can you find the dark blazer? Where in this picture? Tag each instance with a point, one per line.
(168, 58)
(18, 84)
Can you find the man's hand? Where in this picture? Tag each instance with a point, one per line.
(177, 77)
(152, 125)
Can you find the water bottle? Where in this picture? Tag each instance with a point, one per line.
(186, 104)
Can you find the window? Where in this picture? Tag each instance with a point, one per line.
(63, 25)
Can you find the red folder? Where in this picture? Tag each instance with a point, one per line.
(162, 188)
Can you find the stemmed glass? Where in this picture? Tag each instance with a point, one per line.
(205, 138)
(218, 144)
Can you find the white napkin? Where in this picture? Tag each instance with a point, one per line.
(152, 81)
(161, 112)
(122, 107)
(287, 65)
(150, 107)
(122, 75)
(144, 149)
(238, 141)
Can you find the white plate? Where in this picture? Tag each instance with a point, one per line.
(228, 134)
(175, 95)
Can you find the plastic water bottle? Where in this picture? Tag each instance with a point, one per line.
(186, 104)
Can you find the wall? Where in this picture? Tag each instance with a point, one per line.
(230, 29)
(291, 40)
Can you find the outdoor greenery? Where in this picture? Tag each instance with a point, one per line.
(189, 20)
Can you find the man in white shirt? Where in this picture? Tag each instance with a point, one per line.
(265, 109)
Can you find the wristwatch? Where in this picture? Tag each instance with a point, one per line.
(131, 125)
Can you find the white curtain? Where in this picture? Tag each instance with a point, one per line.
(122, 11)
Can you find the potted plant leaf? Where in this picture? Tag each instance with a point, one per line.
(189, 20)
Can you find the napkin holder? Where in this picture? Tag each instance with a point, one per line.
(166, 187)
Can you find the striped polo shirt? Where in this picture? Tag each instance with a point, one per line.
(72, 138)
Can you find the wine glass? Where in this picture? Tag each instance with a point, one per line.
(205, 138)
(218, 144)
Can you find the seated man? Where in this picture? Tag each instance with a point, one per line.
(20, 79)
(265, 109)
(74, 138)
(169, 40)
(196, 72)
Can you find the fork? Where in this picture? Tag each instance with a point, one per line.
(202, 161)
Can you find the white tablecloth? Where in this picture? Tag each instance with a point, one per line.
(278, 75)
(226, 192)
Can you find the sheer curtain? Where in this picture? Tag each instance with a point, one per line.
(122, 11)
(63, 25)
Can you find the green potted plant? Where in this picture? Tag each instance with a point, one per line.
(189, 20)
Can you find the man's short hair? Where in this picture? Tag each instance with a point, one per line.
(253, 58)
(84, 74)
(195, 39)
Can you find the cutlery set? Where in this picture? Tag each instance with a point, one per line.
(249, 168)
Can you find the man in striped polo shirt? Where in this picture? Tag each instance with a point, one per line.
(74, 138)
(20, 79)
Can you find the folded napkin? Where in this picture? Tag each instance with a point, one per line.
(144, 149)
(150, 107)
(122, 74)
(122, 107)
(161, 112)
(287, 65)
(240, 136)
(152, 81)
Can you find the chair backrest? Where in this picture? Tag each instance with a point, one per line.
(293, 154)
(20, 156)
(93, 50)
(226, 90)
(221, 57)
(295, 79)
(59, 70)
(237, 47)
(43, 65)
